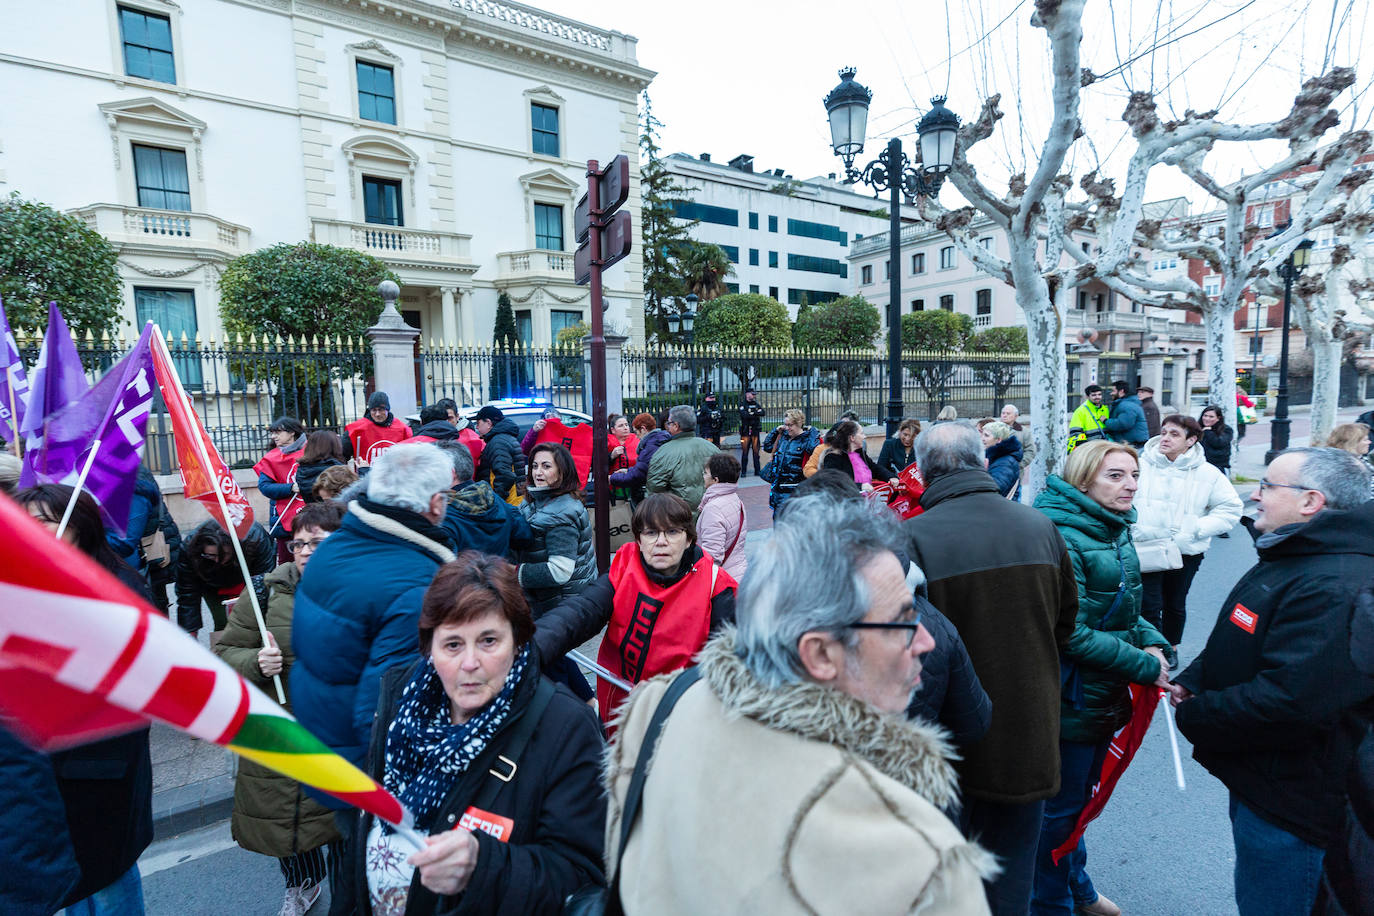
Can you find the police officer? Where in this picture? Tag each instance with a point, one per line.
(710, 419)
(750, 431)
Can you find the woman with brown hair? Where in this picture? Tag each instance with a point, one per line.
(663, 568)
(323, 449)
(452, 732)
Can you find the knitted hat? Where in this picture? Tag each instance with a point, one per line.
(379, 399)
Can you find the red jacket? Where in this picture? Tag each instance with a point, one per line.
(367, 440)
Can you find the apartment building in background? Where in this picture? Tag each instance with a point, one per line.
(786, 238)
(448, 139)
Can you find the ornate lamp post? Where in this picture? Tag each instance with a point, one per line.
(1278, 429)
(847, 108)
(686, 322)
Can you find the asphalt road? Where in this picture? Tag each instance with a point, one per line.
(1156, 851)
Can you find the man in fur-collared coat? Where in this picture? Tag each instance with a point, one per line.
(787, 780)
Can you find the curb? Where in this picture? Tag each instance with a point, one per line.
(191, 807)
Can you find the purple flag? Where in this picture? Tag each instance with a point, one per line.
(115, 414)
(58, 379)
(14, 384)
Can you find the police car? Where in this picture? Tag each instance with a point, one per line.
(524, 412)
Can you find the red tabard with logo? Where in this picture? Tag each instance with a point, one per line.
(370, 440)
(653, 630)
(281, 469)
(627, 460)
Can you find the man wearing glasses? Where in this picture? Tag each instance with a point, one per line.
(1274, 705)
(788, 778)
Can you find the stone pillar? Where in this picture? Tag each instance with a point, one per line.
(1152, 369)
(393, 353)
(449, 314)
(1087, 362)
(615, 402)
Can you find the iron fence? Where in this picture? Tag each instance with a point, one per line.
(474, 375)
(822, 383)
(238, 387)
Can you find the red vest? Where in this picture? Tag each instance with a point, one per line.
(474, 442)
(369, 440)
(627, 460)
(643, 641)
(281, 469)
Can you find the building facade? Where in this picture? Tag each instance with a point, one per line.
(449, 140)
(787, 239)
(935, 275)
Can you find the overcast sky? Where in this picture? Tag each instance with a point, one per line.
(749, 77)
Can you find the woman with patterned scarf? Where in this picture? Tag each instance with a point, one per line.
(499, 767)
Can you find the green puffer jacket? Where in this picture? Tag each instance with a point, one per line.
(677, 465)
(272, 814)
(1107, 644)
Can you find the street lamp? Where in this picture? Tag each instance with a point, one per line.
(847, 109)
(1278, 429)
(686, 322)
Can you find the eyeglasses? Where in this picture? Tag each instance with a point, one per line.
(1268, 485)
(650, 535)
(911, 626)
(304, 546)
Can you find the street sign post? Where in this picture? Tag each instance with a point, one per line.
(604, 237)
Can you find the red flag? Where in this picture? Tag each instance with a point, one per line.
(202, 470)
(576, 439)
(1144, 699)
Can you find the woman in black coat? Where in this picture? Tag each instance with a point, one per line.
(899, 452)
(1216, 438)
(500, 767)
(323, 449)
(106, 786)
(849, 453)
(208, 570)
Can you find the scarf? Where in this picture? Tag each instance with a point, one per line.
(426, 752)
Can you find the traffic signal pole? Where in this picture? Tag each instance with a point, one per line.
(600, 453)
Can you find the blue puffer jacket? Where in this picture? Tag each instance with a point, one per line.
(1004, 463)
(1127, 421)
(40, 864)
(477, 520)
(357, 614)
(789, 457)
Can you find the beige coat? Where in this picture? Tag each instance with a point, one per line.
(799, 800)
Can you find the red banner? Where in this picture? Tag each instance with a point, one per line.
(198, 481)
(576, 439)
(1144, 701)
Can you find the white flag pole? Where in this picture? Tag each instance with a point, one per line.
(219, 497)
(1173, 739)
(76, 492)
(285, 510)
(600, 671)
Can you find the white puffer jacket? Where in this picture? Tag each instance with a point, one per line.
(1186, 499)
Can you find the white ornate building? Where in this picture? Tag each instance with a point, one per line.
(448, 139)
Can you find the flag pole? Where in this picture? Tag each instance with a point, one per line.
(1173, 739)
(76, 491)
(600, 671)
(223, 508)
(287, 509)
(14, 419)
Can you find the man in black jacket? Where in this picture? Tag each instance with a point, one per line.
(1274, 705)
(1014, 600)
(750, 430)
(502, 463)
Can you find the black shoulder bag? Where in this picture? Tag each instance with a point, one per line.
(605, 901)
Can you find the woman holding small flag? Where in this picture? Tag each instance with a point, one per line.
(500, 767)
(1112, 646)
(272, 814)
(276, 471)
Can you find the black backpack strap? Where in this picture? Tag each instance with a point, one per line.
(646, 749)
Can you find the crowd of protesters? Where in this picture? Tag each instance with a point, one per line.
(857, 714)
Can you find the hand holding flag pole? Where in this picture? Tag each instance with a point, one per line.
(294, 498)
(170, 383)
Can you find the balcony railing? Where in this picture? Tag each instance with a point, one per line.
(535, 262)
(394, 242)
(180, 228)
(1137, 322)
